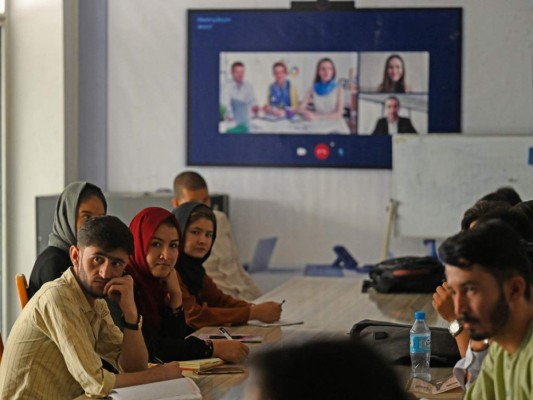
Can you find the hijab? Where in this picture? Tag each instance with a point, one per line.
(64, 232)
(190, 269)
(143, 227)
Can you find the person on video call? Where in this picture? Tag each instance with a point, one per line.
(325, 94)
(394, 76)
(238, 96)
(393, 123)
(282, 97)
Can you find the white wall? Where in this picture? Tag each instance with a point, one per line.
(34, 138)
(310, 209)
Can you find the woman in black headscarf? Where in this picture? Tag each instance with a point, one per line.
(204, 303)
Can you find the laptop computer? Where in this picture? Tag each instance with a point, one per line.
(241, 112)
(262, 255)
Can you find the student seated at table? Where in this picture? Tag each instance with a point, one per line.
(204, 303)
(158, 294)
(223, 264)
(502, 198)
(55, 348)
(507, 194)
(473, 352)
(489, 275)
(323, 369)
(326, 95)
(525, 208)
(478, 210)
(79, 202)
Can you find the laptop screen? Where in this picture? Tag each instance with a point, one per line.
(262, 254)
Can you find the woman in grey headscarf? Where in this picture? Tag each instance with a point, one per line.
(79, 202)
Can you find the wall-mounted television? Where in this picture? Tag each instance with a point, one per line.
(319, 88)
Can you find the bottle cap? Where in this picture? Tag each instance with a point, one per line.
(420, 315)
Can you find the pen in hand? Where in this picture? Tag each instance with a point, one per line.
(157, 361)
(225, 333)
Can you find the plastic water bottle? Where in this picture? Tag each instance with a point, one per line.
(420, 347)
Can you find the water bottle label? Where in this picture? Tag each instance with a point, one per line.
(420, 344)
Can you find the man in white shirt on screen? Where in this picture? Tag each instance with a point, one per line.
(223, 265)
(238, 97)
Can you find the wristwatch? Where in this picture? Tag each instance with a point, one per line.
(134, 327)
(455, 328)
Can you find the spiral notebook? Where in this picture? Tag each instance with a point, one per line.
(174, 389)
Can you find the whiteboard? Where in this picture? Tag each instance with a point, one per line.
(435, 178)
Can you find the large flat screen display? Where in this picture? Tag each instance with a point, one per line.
(319, 88)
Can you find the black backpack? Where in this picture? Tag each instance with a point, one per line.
(407, 275)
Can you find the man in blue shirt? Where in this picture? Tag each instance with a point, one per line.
(282, 94)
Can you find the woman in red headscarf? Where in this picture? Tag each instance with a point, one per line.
(158, 295)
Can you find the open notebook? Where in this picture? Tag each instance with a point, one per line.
(175, 389)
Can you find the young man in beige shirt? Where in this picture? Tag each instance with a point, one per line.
(57, 344)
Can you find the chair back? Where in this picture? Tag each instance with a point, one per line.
(22, 289)
(1, 347)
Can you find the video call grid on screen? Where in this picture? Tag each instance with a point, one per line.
(340, 122)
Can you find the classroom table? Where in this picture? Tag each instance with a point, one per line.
(329, 308)
(295, 126)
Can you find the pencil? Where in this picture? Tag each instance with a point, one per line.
(225, 333)
(157, 361)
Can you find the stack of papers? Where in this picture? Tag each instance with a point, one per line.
(435, 387)
(175, 389)
(192, 367)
